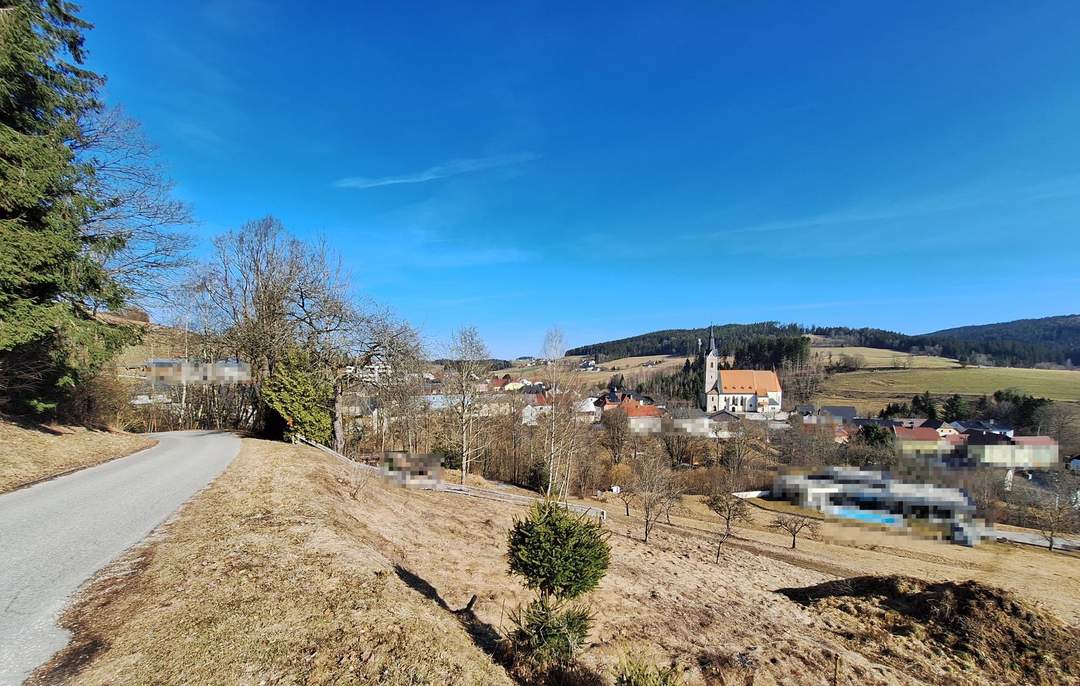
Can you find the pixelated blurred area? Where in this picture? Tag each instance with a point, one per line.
(851, 495)
(409, 470)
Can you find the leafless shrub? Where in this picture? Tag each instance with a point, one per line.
(795, 525)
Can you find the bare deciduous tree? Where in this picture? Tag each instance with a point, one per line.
(623, 476)
(1060, 421)
(1056, 511)
(795, 525)
(136, 220)
(614, 432)
(265, 291)
(803, 380)
(730, 509)
(737, 451)
(680, 447)
(467, 365)
(656, 487)
(563, 433)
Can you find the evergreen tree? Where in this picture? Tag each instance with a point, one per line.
(301, 397)
(956, 408)
(924, 405)
(50, 284)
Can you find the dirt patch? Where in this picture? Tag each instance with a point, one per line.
(983, 633)
(30, 454)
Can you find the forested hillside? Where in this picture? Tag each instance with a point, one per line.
(1021, 343)
(729, 337)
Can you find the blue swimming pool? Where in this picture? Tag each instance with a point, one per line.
(868, 516)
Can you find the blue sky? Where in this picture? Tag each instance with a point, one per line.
(616, 169)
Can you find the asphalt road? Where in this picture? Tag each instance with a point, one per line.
(57, 534)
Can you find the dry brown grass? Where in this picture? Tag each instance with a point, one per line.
(266, 578)
(29, 454)
(277, 575)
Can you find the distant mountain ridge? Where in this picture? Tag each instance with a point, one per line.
(1063, 329)
(1022, 342)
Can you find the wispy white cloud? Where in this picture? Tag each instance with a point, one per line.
(439, 171)
(855, 215)
(1062, 187)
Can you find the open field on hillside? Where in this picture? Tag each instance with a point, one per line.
(871, 390)
(277, 574)
(630, 367)
(877, 358)
(31, 453)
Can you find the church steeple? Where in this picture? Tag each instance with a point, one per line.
(712, 373)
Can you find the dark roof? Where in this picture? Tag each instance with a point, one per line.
(869, 421)
(934, 424)
(805, 409)
(843, 411)
(724, 416)
(976, 437)
(687, 413)
(981, 425)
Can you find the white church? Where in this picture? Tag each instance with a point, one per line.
(739, 390)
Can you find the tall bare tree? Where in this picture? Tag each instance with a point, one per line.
(656, 486)
(681, 447)
(803, 379)
(615, 433)
(266, 291)
(1060, 421)
(1057, 511)
(563, 433)
(139, 228)
(467, 365)
(739, 449)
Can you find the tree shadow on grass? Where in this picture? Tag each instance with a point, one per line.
(484, 635)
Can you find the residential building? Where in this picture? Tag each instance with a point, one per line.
(837, 414)
(973, 448)
(943, 428)
(643, 418)
(984, 425)
(180, 371)
(690, 420)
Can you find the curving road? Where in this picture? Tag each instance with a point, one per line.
(57, 534)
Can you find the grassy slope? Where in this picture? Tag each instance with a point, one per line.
(276, 575)
(871, 390)
(876, 358)
(265, 578)
(29, 454)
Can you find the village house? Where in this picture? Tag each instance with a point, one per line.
(943, 428)
(973, 448)
(643, 418)
(690, 420)
(837, 414)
